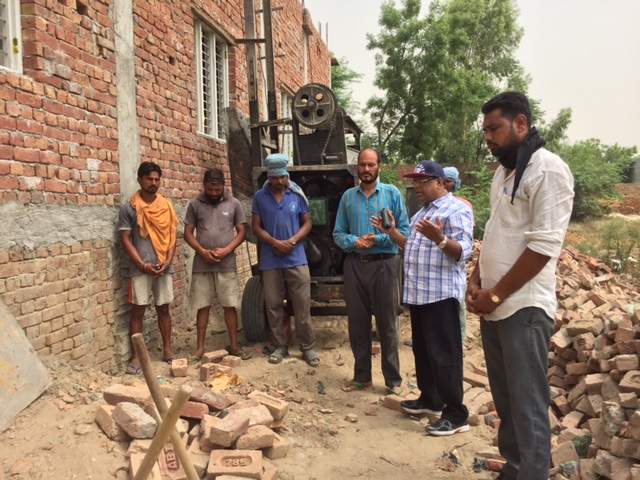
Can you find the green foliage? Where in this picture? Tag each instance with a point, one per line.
(616, 241)
(342, 78)
(437, 71)
(478, 193)
(619, 240)
(596, 168)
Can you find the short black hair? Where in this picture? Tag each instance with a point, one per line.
(377, 152)
(510, 104)
(146, 168)
(213, 175)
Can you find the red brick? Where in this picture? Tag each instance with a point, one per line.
(244, 463)
(194, 410)
(276, 406)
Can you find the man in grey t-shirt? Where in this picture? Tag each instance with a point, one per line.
(218, 220)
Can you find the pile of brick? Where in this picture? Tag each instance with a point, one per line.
(228, 435)
(595, 372)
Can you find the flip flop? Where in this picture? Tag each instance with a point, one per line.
(133, 369)
(311, 357)
(241, 352)
(353, 385)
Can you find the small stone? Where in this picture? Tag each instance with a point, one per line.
(351, 417)
(82, 429)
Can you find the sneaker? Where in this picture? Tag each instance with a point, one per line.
(444, 427)
(416, 407)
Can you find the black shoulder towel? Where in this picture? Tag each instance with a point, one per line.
(527, 148)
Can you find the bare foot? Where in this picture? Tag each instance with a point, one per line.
(199, 353)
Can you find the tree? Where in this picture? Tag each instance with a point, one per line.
(342, 78)
(437, 71)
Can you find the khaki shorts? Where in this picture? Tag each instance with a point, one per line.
(142, 287)
(207, 286)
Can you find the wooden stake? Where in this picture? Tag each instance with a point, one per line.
(145, 363)
(163, 432)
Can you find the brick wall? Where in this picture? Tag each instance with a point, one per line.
(60, 177)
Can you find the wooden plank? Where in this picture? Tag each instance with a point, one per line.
(23, 377)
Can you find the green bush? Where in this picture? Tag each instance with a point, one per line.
(619, 239)
(478, 193)
(596, 169)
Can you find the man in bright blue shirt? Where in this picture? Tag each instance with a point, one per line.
(371, 270)
(281, 220)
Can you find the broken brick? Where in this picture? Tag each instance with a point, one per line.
(179, 367)
(276, 406)
(231, 361)
(134, 420)
(255, 438)
(105, 420)
(279, 449)
(117, 393)
(215, 356)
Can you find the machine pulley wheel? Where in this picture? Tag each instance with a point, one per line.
(314, 105)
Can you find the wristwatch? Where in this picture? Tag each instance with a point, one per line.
(495, 298)
(443, 243)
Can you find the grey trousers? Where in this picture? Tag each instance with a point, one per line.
(371, 288)
(295, 285)
(516, 350)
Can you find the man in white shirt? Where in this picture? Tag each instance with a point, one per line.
(513, 285)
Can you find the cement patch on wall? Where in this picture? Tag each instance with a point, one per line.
(32, 226)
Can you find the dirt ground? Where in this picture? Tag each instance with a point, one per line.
(56, 437)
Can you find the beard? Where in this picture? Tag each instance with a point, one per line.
(507, 154)
(368, 178)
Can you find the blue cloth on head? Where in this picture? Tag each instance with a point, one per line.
(276, 164)
(452, 173)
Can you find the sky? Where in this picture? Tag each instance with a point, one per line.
(582, 54)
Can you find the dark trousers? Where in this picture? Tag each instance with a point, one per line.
(372, 288)
(437, 348)
(516, 350)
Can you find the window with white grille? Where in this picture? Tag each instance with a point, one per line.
(213, 81)
(10, 40)
(286, 137)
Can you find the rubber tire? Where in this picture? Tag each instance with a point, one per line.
(254, 320)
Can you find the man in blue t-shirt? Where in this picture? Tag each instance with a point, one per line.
(281, 220)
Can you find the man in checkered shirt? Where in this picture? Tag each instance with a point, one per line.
(435, 252)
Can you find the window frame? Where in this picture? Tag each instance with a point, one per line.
(14, 37)
(214, 130)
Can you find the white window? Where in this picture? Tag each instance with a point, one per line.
(10, 39)
(213, 81)
(286, 137)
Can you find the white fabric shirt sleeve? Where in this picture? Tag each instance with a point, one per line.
(551, 201)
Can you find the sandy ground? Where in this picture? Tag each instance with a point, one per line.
(56, 437)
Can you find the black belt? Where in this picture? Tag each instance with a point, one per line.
(372, 257)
